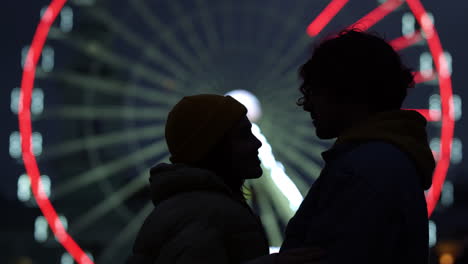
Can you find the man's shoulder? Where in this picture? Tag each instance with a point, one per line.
(380, 164)
(376, 155)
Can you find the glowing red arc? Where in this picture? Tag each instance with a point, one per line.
(448, 123)
(25, 127)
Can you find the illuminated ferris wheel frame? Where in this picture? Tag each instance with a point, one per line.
(441, 66)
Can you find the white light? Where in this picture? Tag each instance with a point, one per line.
(407, 23)
(46, 185)
(15, 145)
(274, 250)
(40, 229)
(425, 64)
(446, 198)
(66, 259)
(48, 59)
(457, 107)
(24, 188)
(36, 143)
(14, 101)
(427, 23)
(434, 144)
(250, 101)
(432, 233)
(445, 63)
(37, 101)
(435, 107)
(278, 175)
(287, 186)
(457, 151)
(66, 19)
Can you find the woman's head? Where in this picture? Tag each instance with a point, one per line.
(213, 132)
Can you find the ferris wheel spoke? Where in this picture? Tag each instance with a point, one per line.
(287, 64)
(103, 140)
(286, 84)
(377, 14)
(302, 144)
(100, 53)
(298, 180)
(113, 87)
(110, 168)
(303, 162)
(125, 235)
(273, 63)
(164, 33)
(264, 28)
(149, 50)
(208, 24)
(186, 24)
(112, 201)
(80, 112)
(267, 215)
(327, 14)
(404, 42)
(304, 139)
(278, 196)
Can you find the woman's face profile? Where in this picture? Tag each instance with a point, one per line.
(241, 150)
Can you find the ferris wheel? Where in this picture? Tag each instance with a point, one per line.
(101, 76)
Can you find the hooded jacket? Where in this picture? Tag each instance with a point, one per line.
(368, 204)
(196, 219)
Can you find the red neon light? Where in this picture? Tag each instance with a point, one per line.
(445, 83)
(424, 76)
(325, 16)
(404, 42)
(25, 127)
(377, 14)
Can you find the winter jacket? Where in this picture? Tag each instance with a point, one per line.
(368, 204)
(196, 219)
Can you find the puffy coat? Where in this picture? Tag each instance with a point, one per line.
(368, 204)
(196, 219)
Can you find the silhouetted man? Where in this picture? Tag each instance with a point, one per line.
(368, 204)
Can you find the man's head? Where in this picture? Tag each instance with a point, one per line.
(351, 75)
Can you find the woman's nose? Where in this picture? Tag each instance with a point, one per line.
(259, 143)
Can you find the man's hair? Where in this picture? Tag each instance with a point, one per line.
(359, 66)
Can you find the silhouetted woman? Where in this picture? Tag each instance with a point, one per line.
(200, 213)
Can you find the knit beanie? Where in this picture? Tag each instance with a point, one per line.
(197, 123)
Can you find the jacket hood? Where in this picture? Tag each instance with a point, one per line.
(167, 180)
(406, 129)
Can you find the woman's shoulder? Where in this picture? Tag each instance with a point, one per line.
(204, 203)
